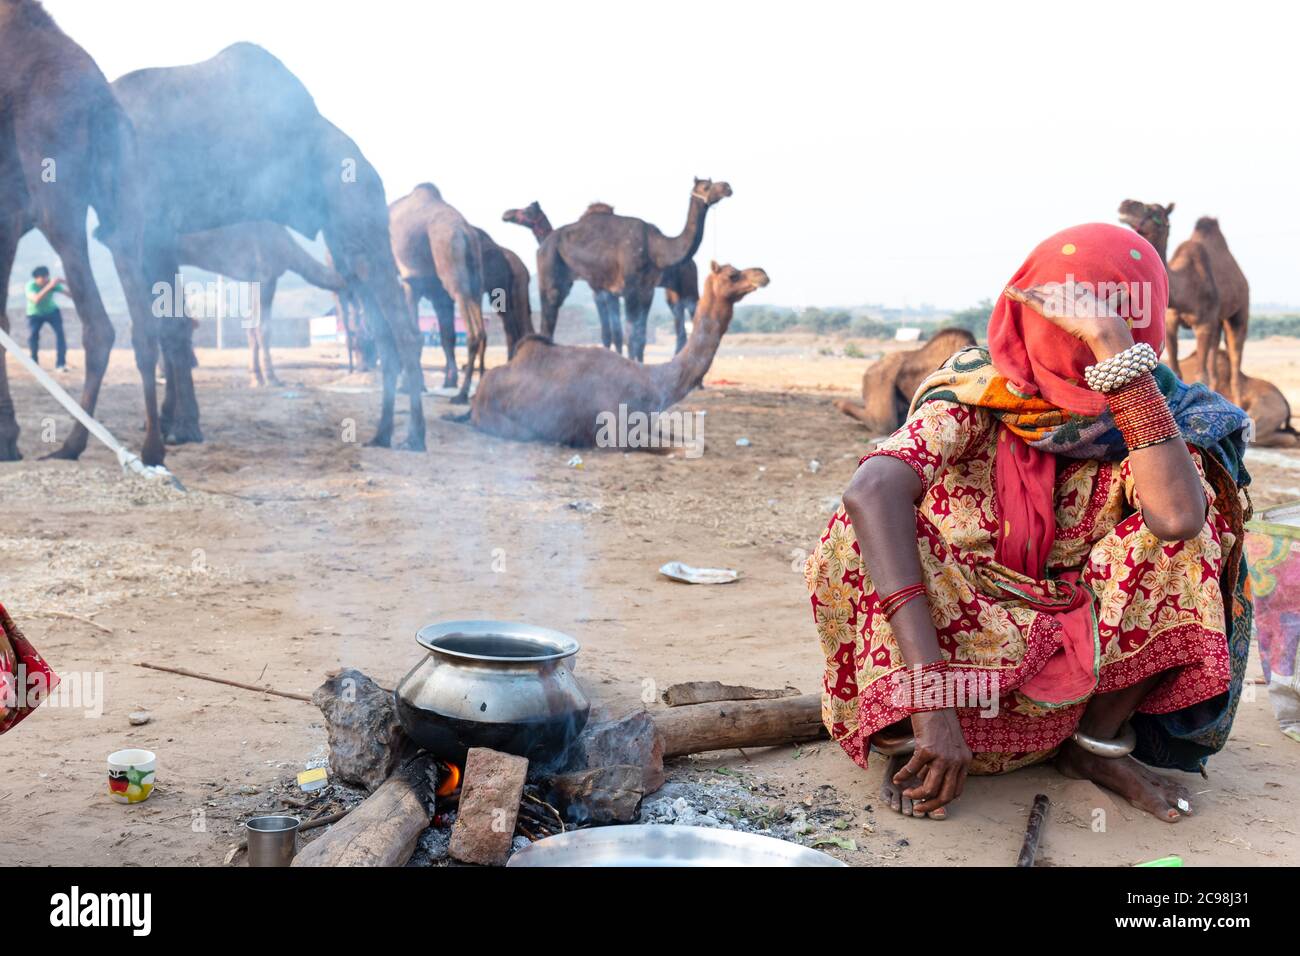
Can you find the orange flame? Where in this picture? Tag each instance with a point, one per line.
(451, 782)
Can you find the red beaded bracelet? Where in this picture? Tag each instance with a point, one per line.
(1141, 413)
(890, 603)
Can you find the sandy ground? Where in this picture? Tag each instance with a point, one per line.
(297, 550)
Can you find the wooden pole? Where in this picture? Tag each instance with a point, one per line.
(223, 680)
(128, 460)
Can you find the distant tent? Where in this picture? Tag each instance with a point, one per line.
(907, 334)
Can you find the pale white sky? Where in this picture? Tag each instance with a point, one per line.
(894, 153)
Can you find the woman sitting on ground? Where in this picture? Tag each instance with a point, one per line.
(1077, 590)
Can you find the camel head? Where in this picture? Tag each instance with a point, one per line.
(729, 284)
(710, 192)
(527, 217)
(1148, 220)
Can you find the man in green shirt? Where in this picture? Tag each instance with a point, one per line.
(42, 310)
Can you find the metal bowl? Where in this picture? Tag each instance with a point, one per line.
(645, 844)
(496, 684)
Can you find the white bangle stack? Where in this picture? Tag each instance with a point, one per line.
(1118, 370)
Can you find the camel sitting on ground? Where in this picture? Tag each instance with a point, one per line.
(440, 257)
(560, 393)
(1207, 291)
(279, 161)
(1269, 411)
(889, 384)
(621, 256)
(64, 144)
(681, 283)
(258, 252)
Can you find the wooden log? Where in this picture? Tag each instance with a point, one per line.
(709, 691)
(697, 728)
(382, 829)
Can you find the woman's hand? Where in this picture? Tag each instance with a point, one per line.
(1075, 309)
(937, 770)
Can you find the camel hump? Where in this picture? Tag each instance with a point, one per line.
(251, 55)
(428, 188)
(1208, 226)
(601, 208)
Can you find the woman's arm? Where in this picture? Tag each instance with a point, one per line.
(881, 504)
(1164, 475)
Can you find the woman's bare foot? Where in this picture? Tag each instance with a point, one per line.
(1145, 789)
(892, 793)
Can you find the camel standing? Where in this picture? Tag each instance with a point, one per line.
(440, 257)
(1207, 291)
(258, 252)
(559, 393)
(505, 283)
(889, 384)
(280, 161)
(64, 143)
(621, 256)
(681, 283)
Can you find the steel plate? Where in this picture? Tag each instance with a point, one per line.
(667, 845)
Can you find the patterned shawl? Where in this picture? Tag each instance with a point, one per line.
(1183, 739)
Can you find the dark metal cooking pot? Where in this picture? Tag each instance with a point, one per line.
(492, 684)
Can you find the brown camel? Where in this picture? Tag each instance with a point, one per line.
(621, 256)
(257, 252)
(1207, 291)
(681, 283)
(63, 141)
(440, 257)
(560, 393)
(279, 161)
(505, 283)
(1269, 411)
(889, 384)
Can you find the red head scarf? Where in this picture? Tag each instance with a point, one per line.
(1040, 359)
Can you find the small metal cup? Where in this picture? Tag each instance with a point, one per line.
(272, 840)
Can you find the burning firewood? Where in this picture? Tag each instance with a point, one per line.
(383, 828)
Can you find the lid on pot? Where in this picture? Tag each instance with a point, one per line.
(500, 641)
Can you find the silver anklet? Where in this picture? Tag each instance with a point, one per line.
(1121, 746)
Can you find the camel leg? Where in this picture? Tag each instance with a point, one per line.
(67, 234)
(679, 322)
(10, 231)
(255, 378)
(389, 367)
(471, 307)
(1207, 343)
(854, 410)
(637, 308)
(444, 307)
(398, 324)
(554, 282)
(136, 285)
(1172, 323)
(616, 323)
(266, 296)
(1234, 334)
(607, 309)
(176, 339)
